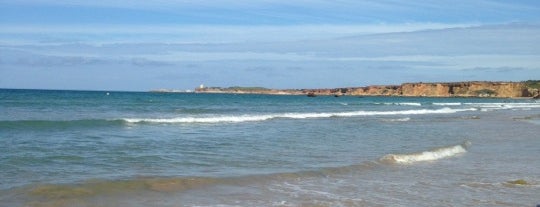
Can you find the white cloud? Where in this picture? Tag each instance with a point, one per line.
(103, 34)
(449, 54)
(450, 46)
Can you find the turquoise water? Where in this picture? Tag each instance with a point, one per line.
(86, 148)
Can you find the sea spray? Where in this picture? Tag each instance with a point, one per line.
(430, 155)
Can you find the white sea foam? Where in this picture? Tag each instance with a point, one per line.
(504, 105)
(398, 120)
(434, 154)
(409, 104)
(216, 119)
(251, 118)
(403, 104)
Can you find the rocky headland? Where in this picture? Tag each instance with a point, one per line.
(525, 89)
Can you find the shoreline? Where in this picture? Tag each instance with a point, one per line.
(357, 96)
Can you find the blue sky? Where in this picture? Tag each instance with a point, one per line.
(144, 45)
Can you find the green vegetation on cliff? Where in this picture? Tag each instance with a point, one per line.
(533, 84)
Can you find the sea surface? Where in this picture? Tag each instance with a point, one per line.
(98, 148)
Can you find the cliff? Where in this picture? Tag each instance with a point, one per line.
(466, 89)
(452, 89)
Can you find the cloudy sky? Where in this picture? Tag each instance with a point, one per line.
(179, 44)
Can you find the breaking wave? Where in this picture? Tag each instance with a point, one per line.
(251, 118)
(503, 105)
(430, 155)
(48, 124)
(178, 184)
(136, 185)
(397, 120)
(403, 104)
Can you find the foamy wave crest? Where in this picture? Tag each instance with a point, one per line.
(217, 119)
(435, 154)
(404, 112)
(251, 118)
(398, 120)
(409, 104)
(504, 105)
(404, 104)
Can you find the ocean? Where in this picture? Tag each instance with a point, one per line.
(97, 148)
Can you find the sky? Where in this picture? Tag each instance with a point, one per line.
(141, 45)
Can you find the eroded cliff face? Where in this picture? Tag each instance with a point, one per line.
(390, 90)
(465, 89)
(454, 89)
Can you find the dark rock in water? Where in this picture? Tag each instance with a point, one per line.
(336, 96)
(311, 94)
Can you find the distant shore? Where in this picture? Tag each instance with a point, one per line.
(524, 89)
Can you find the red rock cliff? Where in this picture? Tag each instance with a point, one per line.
(465, 89)
(453, 89)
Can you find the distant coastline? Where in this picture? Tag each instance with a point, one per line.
(500, 89)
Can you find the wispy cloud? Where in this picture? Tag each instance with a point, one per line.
(108, 34)
(447, 48)
(267, 43)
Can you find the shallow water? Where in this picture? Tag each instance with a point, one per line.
(71, 148)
